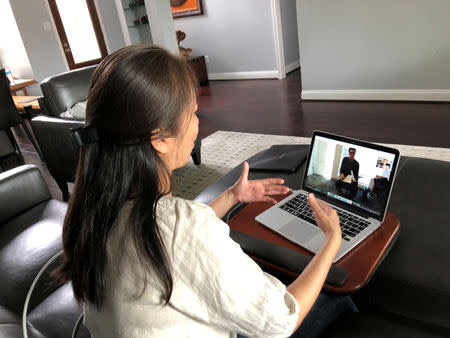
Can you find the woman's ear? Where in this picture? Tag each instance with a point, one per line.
(160, 144)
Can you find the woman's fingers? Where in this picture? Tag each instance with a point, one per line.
(326, 217)
(268, 199)
(325, 207)
(276, 190)
(269, 181)
(315, 206)
(245, 170)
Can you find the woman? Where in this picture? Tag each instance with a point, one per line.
(144, 263)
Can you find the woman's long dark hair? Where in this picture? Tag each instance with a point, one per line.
(136, 93)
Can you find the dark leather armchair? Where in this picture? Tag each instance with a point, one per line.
(30, 234)
(60, 153)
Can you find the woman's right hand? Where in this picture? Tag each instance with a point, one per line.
(326, 217)
(308, 284)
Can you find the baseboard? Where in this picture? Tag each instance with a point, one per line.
(269, 74)
(378, 95)
(292, 66)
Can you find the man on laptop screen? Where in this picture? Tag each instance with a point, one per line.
(348, 178)
(351, 178)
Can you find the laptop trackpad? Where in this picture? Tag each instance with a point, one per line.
(298, 232)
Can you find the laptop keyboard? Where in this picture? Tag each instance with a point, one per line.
(351, 225)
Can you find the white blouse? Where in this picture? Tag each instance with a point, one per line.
(217, 289)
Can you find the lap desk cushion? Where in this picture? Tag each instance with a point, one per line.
(413, 280)
(373, 324)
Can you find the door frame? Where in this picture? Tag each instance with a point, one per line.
(278, 34)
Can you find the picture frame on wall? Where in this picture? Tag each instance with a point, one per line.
(181, 8)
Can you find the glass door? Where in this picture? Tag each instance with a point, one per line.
(79, 31)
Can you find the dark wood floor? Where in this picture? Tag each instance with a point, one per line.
(274, 107)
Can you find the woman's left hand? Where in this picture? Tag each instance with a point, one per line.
(257, 190)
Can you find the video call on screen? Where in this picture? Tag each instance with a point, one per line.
(350, 173)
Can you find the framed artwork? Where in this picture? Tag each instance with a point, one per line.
(182, 8)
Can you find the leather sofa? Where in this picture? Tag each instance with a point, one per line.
(30, 234)
(60, 153)
(408, 296)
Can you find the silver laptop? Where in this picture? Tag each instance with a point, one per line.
(353, 176)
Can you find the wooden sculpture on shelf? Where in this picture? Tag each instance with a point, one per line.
(184, 52)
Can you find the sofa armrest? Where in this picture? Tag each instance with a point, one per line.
(58, 149)
(21, 189)
(412, 281)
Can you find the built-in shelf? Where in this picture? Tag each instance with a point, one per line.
(134, 7)
(138, 25)
(133, 33)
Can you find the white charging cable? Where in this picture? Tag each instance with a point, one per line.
(30, 291)
(77, 325)
(231, 211)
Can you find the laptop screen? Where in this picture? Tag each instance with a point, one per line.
(354, 174)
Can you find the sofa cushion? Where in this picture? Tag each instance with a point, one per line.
(26, 244)
(413, 280)
(76, 112)
(11, 325)
(7, 316)
(62, 309)
(375, 325)
(14, 330)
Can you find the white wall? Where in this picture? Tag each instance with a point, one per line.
(375, 49)
(161, 24)
(288, 13)
(12, 50)
(337, 161)
(321, 158)
(42, 47)
(109, 20)
(238, 37)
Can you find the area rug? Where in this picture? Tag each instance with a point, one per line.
(224, 150)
